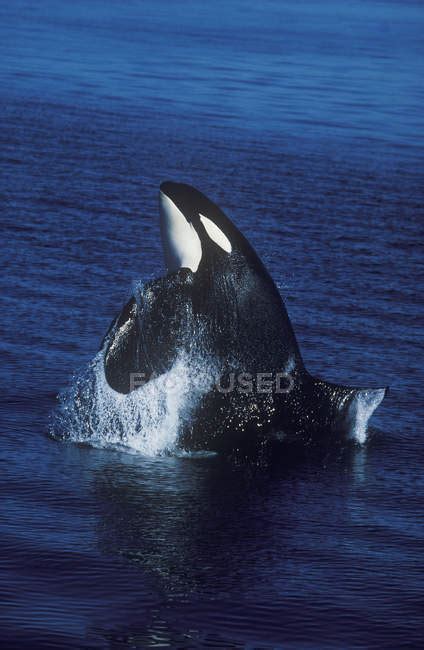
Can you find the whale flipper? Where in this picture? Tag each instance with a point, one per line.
(330, 408)
(360, 408)
(145, 337)
(121, 357)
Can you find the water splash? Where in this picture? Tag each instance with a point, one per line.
(149, 420)
(361, 409)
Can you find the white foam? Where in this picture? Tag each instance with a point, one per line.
(360, 410)
(149, 420)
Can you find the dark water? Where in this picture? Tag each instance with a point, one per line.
(305, 121)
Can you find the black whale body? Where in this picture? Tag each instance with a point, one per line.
(229, 306)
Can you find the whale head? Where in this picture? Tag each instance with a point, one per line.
(194, 227)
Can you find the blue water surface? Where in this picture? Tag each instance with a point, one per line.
(304, 120)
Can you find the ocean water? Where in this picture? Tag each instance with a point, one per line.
(304, 120)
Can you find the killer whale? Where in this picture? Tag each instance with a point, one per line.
(217, 285)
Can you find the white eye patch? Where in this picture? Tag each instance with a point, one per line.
(216, 234)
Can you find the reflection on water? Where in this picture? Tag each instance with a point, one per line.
(207, 530)
(184, 518)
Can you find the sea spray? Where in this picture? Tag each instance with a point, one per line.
(360, 411)
(149, 420)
